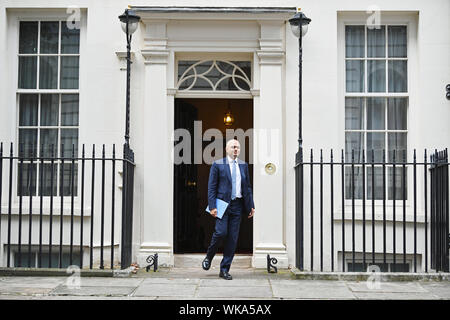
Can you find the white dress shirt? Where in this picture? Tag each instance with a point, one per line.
(238, 176)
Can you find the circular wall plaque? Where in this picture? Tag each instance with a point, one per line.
(270, 168)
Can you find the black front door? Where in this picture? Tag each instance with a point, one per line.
(185, 186)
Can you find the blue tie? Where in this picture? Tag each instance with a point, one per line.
(233, 181)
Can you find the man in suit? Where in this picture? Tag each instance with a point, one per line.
(229, 180)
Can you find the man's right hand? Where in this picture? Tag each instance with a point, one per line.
(213, 212)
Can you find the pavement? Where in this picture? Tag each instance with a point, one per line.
(196, 284)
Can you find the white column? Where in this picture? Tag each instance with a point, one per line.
(156, 214)
(268, 229)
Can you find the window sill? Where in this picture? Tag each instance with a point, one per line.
(46, 211)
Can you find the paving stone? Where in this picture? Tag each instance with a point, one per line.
(229, 292)
(93, 291)
(16, 290)
(170, 281)
(386, 287)
(165, 290)
(310, 289)
(394, 296)
(106, 282)
(236, 282)
(439, 289)
(33, 282)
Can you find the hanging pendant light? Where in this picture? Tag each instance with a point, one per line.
(228, 120)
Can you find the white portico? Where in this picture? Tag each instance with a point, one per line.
(169, 35)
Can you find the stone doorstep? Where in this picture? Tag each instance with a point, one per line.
(56, 272)
(195, 260)
(364, 276)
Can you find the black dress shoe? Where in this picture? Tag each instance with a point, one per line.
(225, 275)
(206, 264)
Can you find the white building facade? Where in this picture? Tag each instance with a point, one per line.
(374, 78)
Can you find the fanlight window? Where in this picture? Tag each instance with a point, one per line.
(214, 75)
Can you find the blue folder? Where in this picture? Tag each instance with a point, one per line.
(221, 207)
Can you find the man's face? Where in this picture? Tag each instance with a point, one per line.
(234, 149)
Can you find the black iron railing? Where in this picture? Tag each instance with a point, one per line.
(440, 236)
(355, 213)
(71, 203)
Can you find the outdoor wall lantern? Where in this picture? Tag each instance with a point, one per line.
(228, 120)
(299, 20)
(132, 19)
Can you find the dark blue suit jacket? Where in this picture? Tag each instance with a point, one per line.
(219, 184)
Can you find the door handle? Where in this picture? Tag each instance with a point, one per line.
(191, 183)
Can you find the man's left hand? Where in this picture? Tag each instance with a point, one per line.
(251, 213)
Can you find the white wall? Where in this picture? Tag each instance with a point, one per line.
(102, 85)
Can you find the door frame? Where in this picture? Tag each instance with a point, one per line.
(206, 97)
(261, 37)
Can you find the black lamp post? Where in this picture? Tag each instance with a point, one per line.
(130, 22)
(299, 24)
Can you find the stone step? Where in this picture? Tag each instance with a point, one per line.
(195, 260)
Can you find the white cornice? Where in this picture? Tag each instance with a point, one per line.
(155, 56)
(270, 57)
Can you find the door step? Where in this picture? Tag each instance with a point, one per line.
(195, 260)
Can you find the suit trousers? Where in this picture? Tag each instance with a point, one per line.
(227, 229)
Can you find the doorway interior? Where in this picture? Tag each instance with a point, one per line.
(193, 226)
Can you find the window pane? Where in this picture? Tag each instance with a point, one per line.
(70, 39)
(202, 84)
(398, 183)
(67, 178)
(354, 74)
(49, 109)
(398, 81)
(28, 110)
(357, 180)
(49, 37)
(186, 83)
(354, 41)
(376, 76)
(375, 113)
(183, 66)
(27, 72)
(69, 138)
(46, 181)
(48, 72)
(28, 142)
(396, 141)
(69, 72)
(49, 140)
(26, 177)
(376, 42)
(24, 259)
(354, 113)
(28, 36)
(69, 110)
(377, 182)
(375, 142)
(353, 141)
(203, 67)
(397, 118)
(397, 42)
(246, 67)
